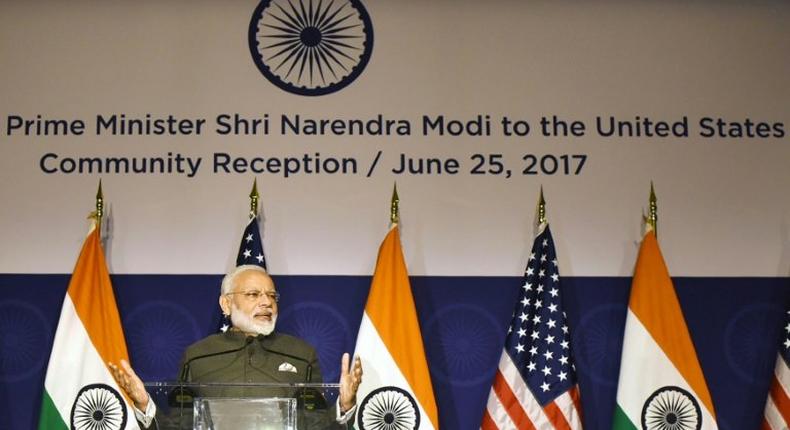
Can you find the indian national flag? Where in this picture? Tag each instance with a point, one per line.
(79, 391)
(661, 384)
(396, 387)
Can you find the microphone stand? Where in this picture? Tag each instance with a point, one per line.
(309, 398)
(182, 395)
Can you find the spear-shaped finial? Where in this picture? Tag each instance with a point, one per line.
(652, 215)
(541, 208)
(394, 212)
(254, 197)
(99, 204)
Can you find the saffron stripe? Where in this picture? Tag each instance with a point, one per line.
(390, 307)
(655, 303)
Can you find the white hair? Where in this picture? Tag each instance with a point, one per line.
(227, 281)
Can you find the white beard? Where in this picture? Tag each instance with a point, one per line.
(247, 323)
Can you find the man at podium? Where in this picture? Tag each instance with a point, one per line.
(250, 352)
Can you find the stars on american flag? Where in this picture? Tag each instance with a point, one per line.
(539, 340)
(251, 247)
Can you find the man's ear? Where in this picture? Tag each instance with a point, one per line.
(224, 303)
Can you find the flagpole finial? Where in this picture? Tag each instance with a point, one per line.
(254, 197)
(541, 208)
(394, 210)
(99, 212)
(652, 215)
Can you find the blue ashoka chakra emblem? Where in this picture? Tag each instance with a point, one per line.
(311, 47)
(389, 408)
(23, 329)
(671, 408)
(158, 332)
(468, 344)
(597, 348)
(98, 407)
(322, 327)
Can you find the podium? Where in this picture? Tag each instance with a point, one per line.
(244, 406)
(240, 413)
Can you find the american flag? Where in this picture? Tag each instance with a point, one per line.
(777, 407)
(250, 252)
(535, 384)
(251, 247)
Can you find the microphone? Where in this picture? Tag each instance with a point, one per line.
(308, 369)
(310, 398)
(185, 368)
(183, 395)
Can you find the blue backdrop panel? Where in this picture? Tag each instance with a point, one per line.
(735, 324)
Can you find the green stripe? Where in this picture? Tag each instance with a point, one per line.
(50, 418)
(621, 421)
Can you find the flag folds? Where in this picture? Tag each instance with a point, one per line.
(251, 247)
(777, 406)
(79, 391)
(396, 391)
(535, 383)
(661, 383)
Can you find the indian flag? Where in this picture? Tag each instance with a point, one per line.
(661, 384)
(396, 390)
(79, 391)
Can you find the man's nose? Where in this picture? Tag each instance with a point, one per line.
(265, 300)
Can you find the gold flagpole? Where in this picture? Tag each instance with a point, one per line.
(541, 208)
(652, 215)
(99, 213)
(254, 197)
(394, 210)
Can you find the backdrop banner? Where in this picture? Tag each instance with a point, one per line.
(469, 106)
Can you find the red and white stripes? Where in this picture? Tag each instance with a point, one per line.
(511, 404)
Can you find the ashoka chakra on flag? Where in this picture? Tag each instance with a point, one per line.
(389, 408)
(98, 407)
(671, 408)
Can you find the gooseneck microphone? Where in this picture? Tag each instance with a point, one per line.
(308, 398)
(309, 365)
(181, 395)
(185, 368)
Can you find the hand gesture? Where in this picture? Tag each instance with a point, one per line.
(130, 383)
(350, 378)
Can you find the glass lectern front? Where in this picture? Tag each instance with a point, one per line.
(244, 406)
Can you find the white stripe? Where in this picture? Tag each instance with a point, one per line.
(782, 373)
(380, 368)
(782, 378)
(773, 417)
(74, 363)
(498, 413)
(568, 409)
(644, 369)
(522, 392)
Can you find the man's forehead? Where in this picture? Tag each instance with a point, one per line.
(253, 279)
